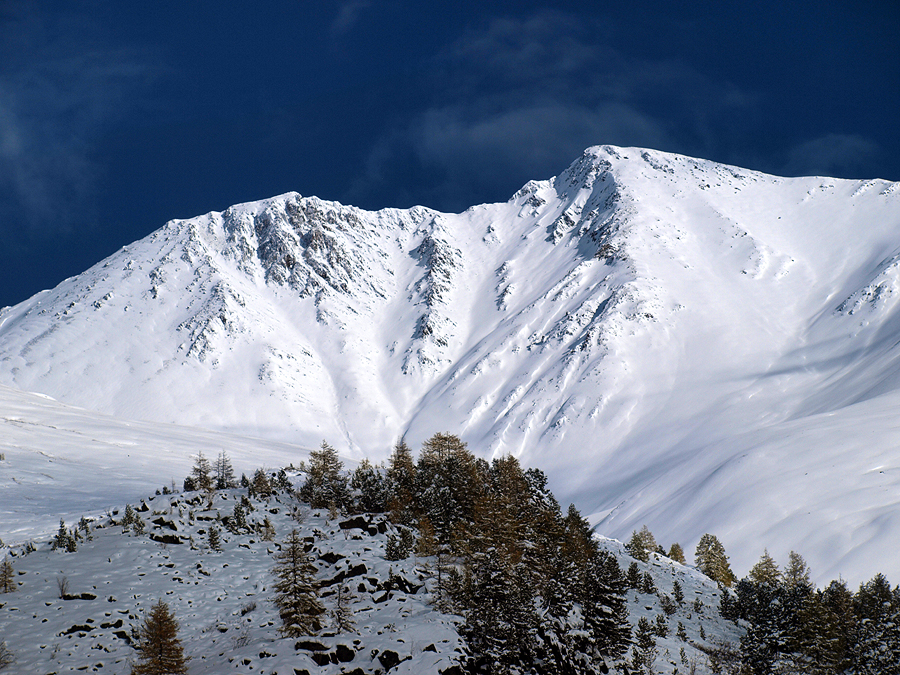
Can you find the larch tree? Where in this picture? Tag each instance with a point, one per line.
(296, 590)
(225, 478)
(765, 571)
(401, 479)
(201, 473)
(711, 560)
(160, 649)
(641, 544)
(7, 576)
(326, 485)
(676, 553)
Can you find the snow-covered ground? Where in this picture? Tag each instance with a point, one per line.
(223, 600)
(677, 343)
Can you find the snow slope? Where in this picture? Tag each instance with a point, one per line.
(676, 342)
(223, 599)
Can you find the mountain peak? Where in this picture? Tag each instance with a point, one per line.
(648, 326)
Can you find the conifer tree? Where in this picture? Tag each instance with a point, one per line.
(260, 486)
(296, 590)
(797, 573)
(224, 472)
(64, 539)
(501, 622)
(370, 493)
(7, 658)
(127, 518)
(7, 576)
(201, 473)
(678, 592)
(712, 561)
(877, 648)
(446, 482)
(426, 544)
(641, 544)
(400, 479)
(645, 651)
(85, 526)
(399, 545)
(215, 542)
(661, 626)
(342, 614)
(633, 576)
(604, 607)
(676, 553)
(238, 521)
(765, 571)
(326, 485)
(160, 649)
(268, 530)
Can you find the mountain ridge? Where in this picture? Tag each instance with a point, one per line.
(633, 317)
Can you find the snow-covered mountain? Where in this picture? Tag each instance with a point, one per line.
(680, 343)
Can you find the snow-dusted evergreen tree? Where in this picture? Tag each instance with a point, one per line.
(64, 540)
(238, 521)
(325, 485)
(160, 649)
(502, 621)
(128, 518)
(201, 473)
(225, 478)
(267, 531)
(260, 486)
(711, 560)
(641, 544)
(445, 482)
(633, 576)
(370, 489)
(765, 571)
(7, 576)
(400, 479)
(877, 648)
(214, 540)
(7, 658)
(644, 652)
(604, 607)
(819, 646)
(399, 544)
(341, 613)
(296, 590)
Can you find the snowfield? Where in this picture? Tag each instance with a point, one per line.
(677, 343)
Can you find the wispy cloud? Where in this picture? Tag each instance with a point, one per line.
(522, 97)
(348, 16)
(54, 106)
(842, 155)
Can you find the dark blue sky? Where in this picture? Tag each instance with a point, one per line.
(117, 116)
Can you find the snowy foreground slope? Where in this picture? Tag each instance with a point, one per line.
(223, 599)
(677, 343)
